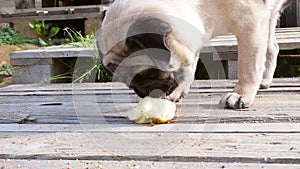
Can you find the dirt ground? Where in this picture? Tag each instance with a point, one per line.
(5, 50)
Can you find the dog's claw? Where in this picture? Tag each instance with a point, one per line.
(233, 101)
(240, 104)
(173, 99)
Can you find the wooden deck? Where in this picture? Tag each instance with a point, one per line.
(86, 126)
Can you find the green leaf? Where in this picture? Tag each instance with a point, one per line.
(54, 31)
(42, 42)
(31, 25)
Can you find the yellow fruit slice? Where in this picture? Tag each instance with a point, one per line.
(153, 110)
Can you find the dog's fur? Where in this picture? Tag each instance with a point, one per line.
(180, 28)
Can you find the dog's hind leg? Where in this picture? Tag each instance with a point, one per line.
(252, 47)
(273, 48)
(271, 56)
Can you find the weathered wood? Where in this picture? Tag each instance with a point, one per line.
(54, 52)
(90, 15)
(75, 125)
(46, 104)
(207, 147)
(140, 163)
(59, 10)
(7, 6)
(216, 83)
(28, 62)
(225, 47)
(32, 74)
(38, 3)
(168, 128)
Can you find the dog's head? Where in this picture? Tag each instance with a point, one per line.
(141, 59)
(140, 49)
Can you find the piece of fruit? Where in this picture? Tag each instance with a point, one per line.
(153, 110)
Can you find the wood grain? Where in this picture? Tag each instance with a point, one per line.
(86, 125)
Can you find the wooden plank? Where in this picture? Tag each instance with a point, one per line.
(232, 67)
(57, 13)
(83, 128)
(284, 44)
(59, 10)
(288, 29)
(229, 147)
(115, 97)
(50, 17)
(130, 92)
(28, 62)
(38, 3)
(54, 52)
(32, 74)
(7, 6)
(198, 84)
(288, 39)
(138, 163)
(162, 128)
(196, 108)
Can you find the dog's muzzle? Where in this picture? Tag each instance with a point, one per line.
(154, 83)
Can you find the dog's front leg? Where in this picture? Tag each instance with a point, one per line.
(187, 58)
(184, 78)
(252, 47)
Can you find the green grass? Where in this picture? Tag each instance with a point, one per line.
(5, 69)
(10, 36)
(78, 40)
(86, 69)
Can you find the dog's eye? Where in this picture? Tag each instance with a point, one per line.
(150, 73)
(131, 42)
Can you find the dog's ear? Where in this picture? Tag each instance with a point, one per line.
(180, 50)
(147, 35)
(152, 32)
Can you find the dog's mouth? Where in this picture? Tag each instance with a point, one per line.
(154, 83)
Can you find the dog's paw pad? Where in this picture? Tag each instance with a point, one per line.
(233, 101)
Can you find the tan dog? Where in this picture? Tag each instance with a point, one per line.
(153, 45)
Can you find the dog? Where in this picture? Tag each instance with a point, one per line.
(153, 45)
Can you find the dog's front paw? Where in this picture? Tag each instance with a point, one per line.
(265, 85)
(234, 101)
(175, 96)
